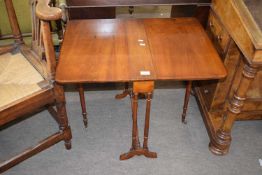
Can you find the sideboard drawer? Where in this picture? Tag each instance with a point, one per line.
(218, 33)
(207, 89)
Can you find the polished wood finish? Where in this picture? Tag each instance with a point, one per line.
(199, 10)
(110, 46)
(104, 44)
(86, 13)
(186, 100)
(236, 37)
(62, 115)
(247, 35)
(218, 33)
(220, 145)
(139, 51)
(254, 13)
(182, 61)
(45, 12)
(147, 88)
(42, 56)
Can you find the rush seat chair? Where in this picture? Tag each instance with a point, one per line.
(27, 78)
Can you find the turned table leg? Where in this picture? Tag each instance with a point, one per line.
(62, 115)
(135, 138)
(186, 100)
(83, 104)
(136, 149)
(147, 153)
(221, 142)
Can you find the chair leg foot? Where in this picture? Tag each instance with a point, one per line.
(68, 145)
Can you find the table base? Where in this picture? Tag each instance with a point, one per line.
(138, 152)
(144, 87)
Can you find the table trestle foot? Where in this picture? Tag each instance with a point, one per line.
(125, 93)
(146, 88)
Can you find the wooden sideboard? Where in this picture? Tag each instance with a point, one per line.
(235, 29)
(82, 9)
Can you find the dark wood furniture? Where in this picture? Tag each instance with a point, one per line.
(139, 51)
(199, 11)
(83, 12)
(115, 3)
(80, 9)
(186, 100)
(32, 87)
(235, 29)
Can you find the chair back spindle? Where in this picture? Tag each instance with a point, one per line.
(42, 53)
(13, 22)
(37, 44)
(23, 90)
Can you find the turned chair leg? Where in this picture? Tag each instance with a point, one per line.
(62, 115)
(83, 104)
(186, 100)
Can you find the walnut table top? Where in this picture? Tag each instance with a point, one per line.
(121, 50)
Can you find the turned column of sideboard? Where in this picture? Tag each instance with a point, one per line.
(236, 33)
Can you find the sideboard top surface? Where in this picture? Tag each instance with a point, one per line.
(248, 11)
(255, 9)
(100, 3)
(242, 20)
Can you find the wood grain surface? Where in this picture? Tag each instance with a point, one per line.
(97, 3)
(120, 50)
